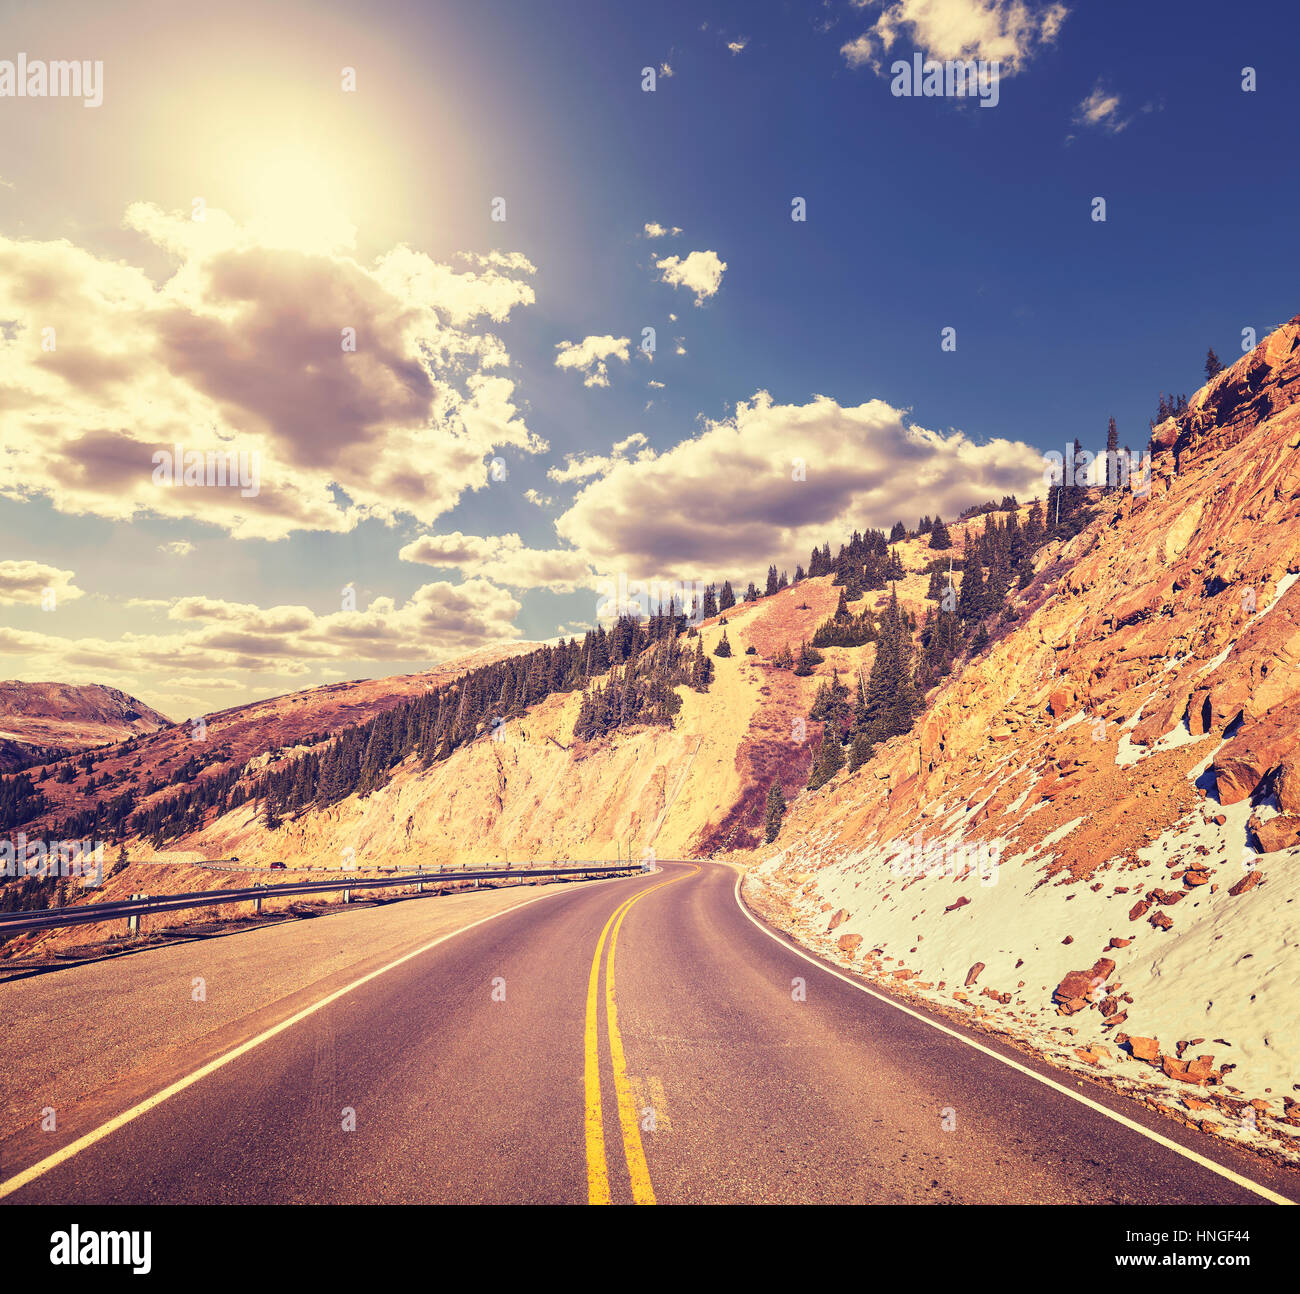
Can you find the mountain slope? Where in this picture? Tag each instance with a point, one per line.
(533, 792)
(1087, 842)
(41, 718)
(1092, 839)
(174, 754)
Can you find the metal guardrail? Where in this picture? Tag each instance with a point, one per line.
(134, 908)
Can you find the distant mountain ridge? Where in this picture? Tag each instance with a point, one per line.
(37, 719)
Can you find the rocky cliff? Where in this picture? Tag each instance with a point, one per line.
(1091, 842)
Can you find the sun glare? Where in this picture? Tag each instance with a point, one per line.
(295, 199)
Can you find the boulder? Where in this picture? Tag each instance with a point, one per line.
(1280, 832)
(1247, 882)
(1147, 1049)
(1258, 748)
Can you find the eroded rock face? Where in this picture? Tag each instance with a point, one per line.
(1113, 742)
(1261, 747)
(1258, 387)
(1280, 832)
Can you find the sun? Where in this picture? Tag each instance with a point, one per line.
(296, 198)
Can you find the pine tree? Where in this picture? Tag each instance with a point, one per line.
(808, 657)
(775, 812)
(831, 703)
(701, 668)
(829, 761)
(939, 537)
(898, 532)
(971, 602)
(859, 752)
(1034, 531)
(772, 581)
(724, 647)
(888, 702)
(728, 598)
(271, 816)
(1213, 365)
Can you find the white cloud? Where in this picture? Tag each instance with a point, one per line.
(858, 51)
(24, 583)
(654, 229)
(665, 69)
(437, 619)
(700, 272)
(724, 503)
(579, 466)
(541, 500)
(177, 548)
(516, 262)
(590, 356)
(241, 348)
(1101, 108)
(735, 46)
(1008, 32)
(504, 559)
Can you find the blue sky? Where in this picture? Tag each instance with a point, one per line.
(921, 214)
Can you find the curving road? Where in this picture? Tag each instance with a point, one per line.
(638, 1040)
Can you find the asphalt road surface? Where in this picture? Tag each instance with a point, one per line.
(630, 1041)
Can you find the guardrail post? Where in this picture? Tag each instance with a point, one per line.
(257, 902)
(133, 921)
(347, 896)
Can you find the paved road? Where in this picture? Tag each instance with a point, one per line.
(491, 1068)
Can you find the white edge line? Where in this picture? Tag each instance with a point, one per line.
(29, 1175)
(1237, 1178)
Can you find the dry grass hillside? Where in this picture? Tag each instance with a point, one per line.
(44, 718)
(530, 794)
(229, 738)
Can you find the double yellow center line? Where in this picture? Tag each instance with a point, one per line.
(597, 1165)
